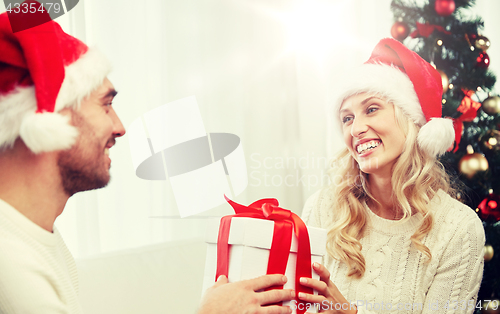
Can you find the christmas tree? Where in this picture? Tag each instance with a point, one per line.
(444, 33)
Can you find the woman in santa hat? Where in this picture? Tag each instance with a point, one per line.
(397, 239)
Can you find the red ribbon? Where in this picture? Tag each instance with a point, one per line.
(284, 223)
(468, 108)
(425, 30)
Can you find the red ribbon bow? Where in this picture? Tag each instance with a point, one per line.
(284, 223)
(468, 108)
(425, 30)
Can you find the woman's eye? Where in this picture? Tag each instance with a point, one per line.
(372, 109)
(346, 119)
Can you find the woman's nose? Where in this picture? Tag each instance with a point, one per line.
(359, 126)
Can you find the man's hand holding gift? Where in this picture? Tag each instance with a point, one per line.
(247, 296)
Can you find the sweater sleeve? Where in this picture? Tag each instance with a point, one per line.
(26, 286)
(456, 284)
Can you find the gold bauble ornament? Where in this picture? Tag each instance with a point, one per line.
(488, 252)
(444, 80)
(491, 140)
(491, 307)
(491, 105)
(472, 163)
(482, 42)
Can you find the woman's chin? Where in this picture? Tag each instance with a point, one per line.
(368, 165)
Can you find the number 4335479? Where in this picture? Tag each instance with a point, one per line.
(33, 7)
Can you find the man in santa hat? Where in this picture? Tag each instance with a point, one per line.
(57, 124)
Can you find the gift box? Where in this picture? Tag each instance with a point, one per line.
(250, 242)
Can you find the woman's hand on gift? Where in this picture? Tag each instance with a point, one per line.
(246, 296)
(329, 298)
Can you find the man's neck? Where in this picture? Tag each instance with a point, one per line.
(32, 185)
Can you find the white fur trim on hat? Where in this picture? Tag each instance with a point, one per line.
(18, 107)
(81, 78)
(13, 108)
(384, 80)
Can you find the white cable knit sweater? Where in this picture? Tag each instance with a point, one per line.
(37, 272)
(397, 279)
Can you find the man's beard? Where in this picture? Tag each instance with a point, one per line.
(81, 167)
(78, 176)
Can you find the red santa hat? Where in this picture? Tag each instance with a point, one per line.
(409, 82)
(43, 70)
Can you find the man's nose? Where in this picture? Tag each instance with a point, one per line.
(118, 128)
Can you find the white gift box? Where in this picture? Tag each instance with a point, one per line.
(250, 243)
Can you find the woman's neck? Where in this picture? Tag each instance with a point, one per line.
(381, 190)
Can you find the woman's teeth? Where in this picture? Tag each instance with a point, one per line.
(363, 148)
(106, 151)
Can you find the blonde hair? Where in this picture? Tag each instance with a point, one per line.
(416, 178)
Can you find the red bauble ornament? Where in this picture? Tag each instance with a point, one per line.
(483, 60)
(489, 208)
(444, 7)
(400, 31)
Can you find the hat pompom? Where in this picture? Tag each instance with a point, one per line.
(436, 136)
(48, 131)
